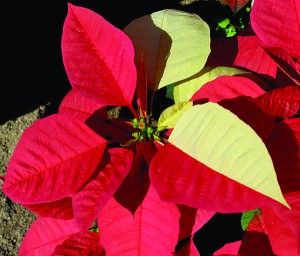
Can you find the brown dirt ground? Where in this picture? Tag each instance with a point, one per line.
(14, 218)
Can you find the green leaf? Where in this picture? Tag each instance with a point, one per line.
(247, 217)
(175, 45)
(170, 116)
(184, 90)
(224, 143)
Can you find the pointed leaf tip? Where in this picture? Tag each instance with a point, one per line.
(98, 57)
(229, 146)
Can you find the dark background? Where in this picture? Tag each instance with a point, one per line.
(33, 73)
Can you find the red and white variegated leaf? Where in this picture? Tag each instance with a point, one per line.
(234, 94)
(81, 244)
(267, 18)
(59, 209)
(281, 102)
(244, 51)
(255, 240)
(248, 173)
(98, 58)
(283, 226)
(236, 5)
(81, 106)
(45, 234)
(55, 156)
(88, 202)
(182, 179)
(284, 148)
(152, 231)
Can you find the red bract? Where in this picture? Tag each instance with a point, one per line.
(161, 177)
(280, 102)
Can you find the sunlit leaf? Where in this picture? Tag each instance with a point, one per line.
(180, 45)
(215, 125)
(184, 90)
(280, 102)
(45, 234)
(217, 153)
(267, 22)
(50, 150)
(98, 57)
(170, 116)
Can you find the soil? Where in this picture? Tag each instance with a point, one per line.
(14, 218)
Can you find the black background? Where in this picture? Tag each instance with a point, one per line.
(32, 69)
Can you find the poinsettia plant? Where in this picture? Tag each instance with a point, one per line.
(166, 134)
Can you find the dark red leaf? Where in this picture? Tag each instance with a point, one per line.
(148, 149)
(280, 102)
(284, 148)
(81, 244)
(283, 226)
(113, 130)
(89, 201)
(247, 111)
(59, 209)
(244, 51)
(255, 240)
(285, 63)
(135, 186)
(186, 221)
